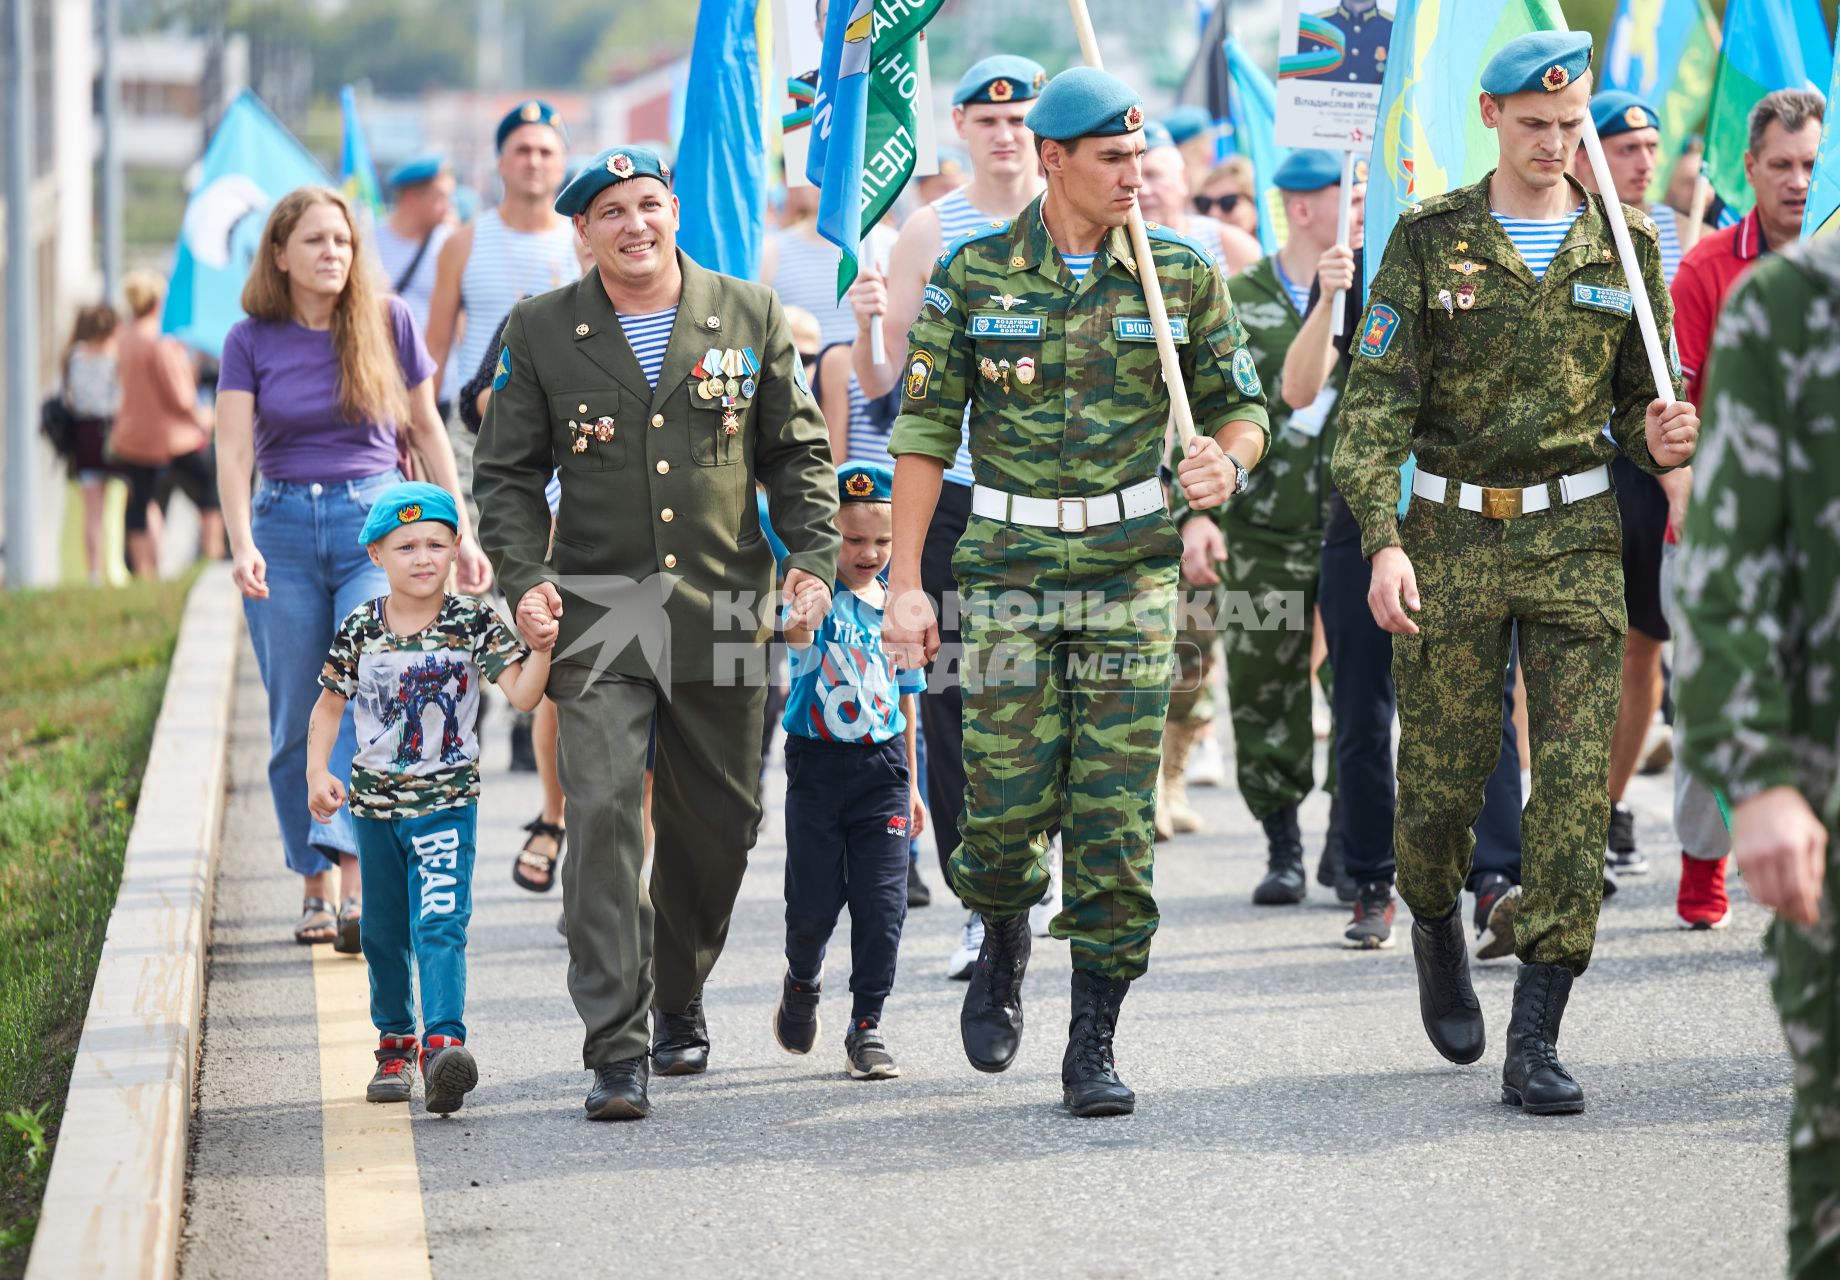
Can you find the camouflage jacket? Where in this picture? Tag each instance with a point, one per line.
(1759, 579)
(1062, 376)
(1286, 494)
(1486, 374)
(415, 703)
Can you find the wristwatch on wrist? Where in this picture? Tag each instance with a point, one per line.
(1240, 476)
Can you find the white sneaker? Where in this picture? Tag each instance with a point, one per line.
(1042, 913)
(1207, 765)
(964, 959)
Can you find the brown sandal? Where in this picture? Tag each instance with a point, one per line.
(326, 925)
(351, 915)
(536, 859)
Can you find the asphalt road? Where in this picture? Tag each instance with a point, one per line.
(1292, 1119)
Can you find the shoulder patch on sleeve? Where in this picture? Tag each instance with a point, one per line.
(938, 299)
(976, 233)
(1165, 235)
(503, 375)
(1377, 331)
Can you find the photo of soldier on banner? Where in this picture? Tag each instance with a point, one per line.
(1330, 68)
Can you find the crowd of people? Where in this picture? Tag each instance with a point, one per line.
(553, 401)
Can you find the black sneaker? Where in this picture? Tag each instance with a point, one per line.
(1372, 929)
(1497, 900)
(1625, 858)
(448, 1074)
(795, 1022)
(866, 1054)
(918, 895)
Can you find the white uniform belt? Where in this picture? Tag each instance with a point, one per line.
(1505, 504)
(1069, 515)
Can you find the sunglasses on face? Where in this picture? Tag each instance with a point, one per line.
(1222, 205)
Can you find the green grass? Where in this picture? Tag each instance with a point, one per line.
(77, 706)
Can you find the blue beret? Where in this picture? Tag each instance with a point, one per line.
(408, 503)
(1184, 123)
(531, 111)
(1617, 111)
(865, 482)
(1310, 169)
(1001, 78)
(1547, 60)
(417, 171)
(617, 164)
(1085, 102)
(1156, 134)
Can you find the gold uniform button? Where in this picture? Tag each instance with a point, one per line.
(670, 562)
(667, 515)
(657, 419)
(663, 467)
(581, 408)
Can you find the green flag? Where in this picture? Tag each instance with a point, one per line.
(891, 133)
(1760, 53)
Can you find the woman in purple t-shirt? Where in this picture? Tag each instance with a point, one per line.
(316, 384)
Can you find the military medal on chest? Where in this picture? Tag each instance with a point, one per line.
(585, 433)
(1466, 296)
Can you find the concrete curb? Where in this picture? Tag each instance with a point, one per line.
(116, 1197)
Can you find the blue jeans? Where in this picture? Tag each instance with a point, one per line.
(418, 900)
(317, 574)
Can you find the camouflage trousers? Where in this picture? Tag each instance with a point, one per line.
(1067, 660)
(1266, 631)
(1559, 574)
(1805, 980)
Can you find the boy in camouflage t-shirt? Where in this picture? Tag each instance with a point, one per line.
(412, 662)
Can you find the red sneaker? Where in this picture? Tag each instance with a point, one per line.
(1701, 903)
(395, 1078)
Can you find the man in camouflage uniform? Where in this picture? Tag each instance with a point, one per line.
(1273, 540)
(1499, 377)
(1760, 705)
(1042, 326)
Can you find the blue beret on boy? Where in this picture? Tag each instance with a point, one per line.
(532, 111)
(1004, 77)
(1085, 102)
(1310, 169)
(1547, 60)
(1185, 122)
(1617, 111)
(617, 164)
(864, 482)
(408, 503)
(412, 173)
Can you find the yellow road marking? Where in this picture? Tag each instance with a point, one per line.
(374, 1221)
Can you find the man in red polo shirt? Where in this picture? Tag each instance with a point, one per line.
(1785, 133)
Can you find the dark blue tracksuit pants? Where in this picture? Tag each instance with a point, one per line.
(1361, 655)
(847, 843)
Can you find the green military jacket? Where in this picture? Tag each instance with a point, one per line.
(1491, 376)
(655, 488)
(1759, 577)
(1286, 494)
(1066, 392)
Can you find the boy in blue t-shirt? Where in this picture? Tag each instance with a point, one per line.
(851, 802)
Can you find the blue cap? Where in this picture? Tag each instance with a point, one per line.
(1003, 77)
(1085, 102)
(530, 111)
(1310, 169)
(1617, 111)
(412, 173)
(1547, 60)
(1185, 122)
(1156, 134)
(865, 482)
(616, 164)
(408, 503)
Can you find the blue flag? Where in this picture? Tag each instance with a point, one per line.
(1768, 45)
(251, 163)
(722, 157)
(1665, 52)
(839, 127)
(357, 175)
(1252, 110)
(1822, 215)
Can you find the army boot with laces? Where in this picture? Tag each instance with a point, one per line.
(990, 1024)
(1532, 1077)
(1446, 1001)
(1089, 1077)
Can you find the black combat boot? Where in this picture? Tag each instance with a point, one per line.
(680, 1041)
(619, 1090)
(1283, 885)
(991, 1022)
(1446, 1001)
(1089, 1080)
(1532, 1077)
